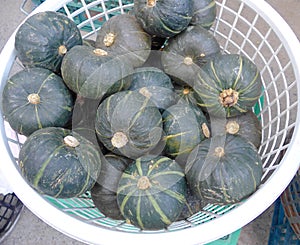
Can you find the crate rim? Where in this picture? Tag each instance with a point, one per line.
(240, 215)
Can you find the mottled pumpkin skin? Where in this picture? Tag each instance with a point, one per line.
(93, 74)
(133, 115)
(224, 178)
(129, 39)
(53, 110)
(205, 12)
(53, 168)
(39, 38)
(164, 18)
(157, 205)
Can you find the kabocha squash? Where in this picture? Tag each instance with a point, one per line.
(44, 38)
(224, 169)
(59, 163)
(104, 192)
(154, 84)
(205, 13)
(124, 36)
(164, 18)
(185, 127)
(228, 85)
(151, 192)
(94, 73)
(187, 52)
(35, 98)
(128, 124)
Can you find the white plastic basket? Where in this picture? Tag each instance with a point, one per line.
(249, 27)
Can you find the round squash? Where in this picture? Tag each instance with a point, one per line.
(128, 124)
(36, 98)
(228, 85)
(59, 163)
(94, 73)
(224, 169)
(151, 192)
(163, 18)
(44, 38)
(205, 13)
(104, 192)
(123, 35)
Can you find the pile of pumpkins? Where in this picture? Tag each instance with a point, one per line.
(150, 117)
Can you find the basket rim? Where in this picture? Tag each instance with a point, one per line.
(237, 218)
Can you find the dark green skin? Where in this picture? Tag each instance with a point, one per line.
(95, 76)
(224, 179)
(157, 206)
(166, 19)
(39, 37)
(52, 168)
(56, 101)
(131, 40)
(133, 114)
(104, 192)
(228, 71)
(153, 82)
(196, 43)
(205, 12)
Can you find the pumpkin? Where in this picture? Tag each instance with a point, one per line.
(246, 125)
(164, 18)
(59, 163)
(224, 169)
(35, 98)
(185, 127)
(228, 85)
(123, 35)
(104, 192)
(128, 124)
(94, 73)
(205, 12)
(151, 192)
(44, 38)
(154, 84)
(187, 52)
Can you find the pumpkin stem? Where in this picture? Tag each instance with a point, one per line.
(186, 91)
(109, 39)
(100, 52)
(228, 97)
(232, 127)
(219, 151)
(62, 50)
(144, 91)
(143, 183)
(119, 139)
(205, 130)
(188, 61)
(151, 3)
(34, 98)
(71, 141)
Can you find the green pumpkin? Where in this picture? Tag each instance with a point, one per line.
(224, 169)
(128, 124)
(228, 85)
(104, 192)
(163, 18)
(205, 13)
(59, 163)
(187, 52)
(44, 38)
(123, 35)
(95, 73)
(151, 192)
(36, 98)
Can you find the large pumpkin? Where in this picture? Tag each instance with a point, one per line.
(44, 38)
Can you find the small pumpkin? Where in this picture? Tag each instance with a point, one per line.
(224, 169)
(123, 35)
(95, 73)
(104, 192)
(151, 192)
(164, 18)
(36, 98)
(228, 85)
(44, 38)
(128, 124)
(59, 163)
(205, 13)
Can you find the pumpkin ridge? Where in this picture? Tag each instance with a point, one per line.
(139, 112)
(45, 80)
(138, 213)
(166, 173)
(157, 162)
(215, 75)
(239, 74)
(125, 200)
(56, 182)
(36, 112)
(139, 166)
(251, 83)
(179, 197)
(210, 5)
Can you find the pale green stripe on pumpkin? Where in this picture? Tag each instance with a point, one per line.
(138, 164)
(51, 75)
(223, 188)
(36, 112)
(181, 174)
(168, 29)
(178, 196)
(171, 136)
(215, 74)
(238, 74)
(125, 200)
(212, 4)
(186, 150)
(140, 111)
(61, 186)
(251, 83)
(155, 165)
(157, 208)
(138, 213)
